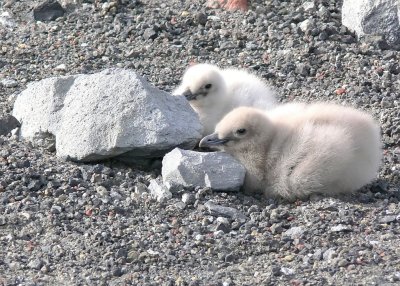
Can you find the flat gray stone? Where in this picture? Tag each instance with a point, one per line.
(340, 228)
(388, 219)
(8, 83)
(295, 232)
(218, 210)
(107, 114)
(48, 10)
(375, 18)
(35, 264)
(216, 170)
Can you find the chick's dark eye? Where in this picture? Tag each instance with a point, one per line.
(241, 131)
(208, 86)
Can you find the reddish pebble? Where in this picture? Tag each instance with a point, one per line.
(231, 5)
(266, 58)
(298, 203)
(340, 91)
(31, 245)
(320, 76)
(295, 283)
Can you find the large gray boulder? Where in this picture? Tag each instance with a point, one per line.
(375, 18)
(216, 170)
(106, 114)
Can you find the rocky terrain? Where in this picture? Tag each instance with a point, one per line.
(65, 223)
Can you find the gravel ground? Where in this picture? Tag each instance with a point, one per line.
(64, 223)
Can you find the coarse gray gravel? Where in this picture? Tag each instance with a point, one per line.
(63, 223)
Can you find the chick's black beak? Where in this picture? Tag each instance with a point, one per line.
(189, 95)
(212, 140)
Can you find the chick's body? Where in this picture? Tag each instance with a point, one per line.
(297, 149)
(213, 92)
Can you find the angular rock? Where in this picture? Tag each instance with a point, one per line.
(9, 83)
(106, 114)
(140, 188)
(340, 228)
(373, 17)
(223, 220)
(8, 123)
(218, 210)
(388, 219)
(329, 254)
(222, 227)
(309, 6)
(48, 11)
(223, 224)
(6, 20)
(295, 232)
(318, 255)
(201, 18)
(276, 228)
(188, 198)
(302, 69)
(216, 170)
(35, 264)
(306, 25)
(287, 271)
(158, 191)
(150, 33)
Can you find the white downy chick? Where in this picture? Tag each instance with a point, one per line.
(319, 148)
(213, 92)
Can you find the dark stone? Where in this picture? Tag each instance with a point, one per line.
(394, 68)
(53, 184)
(48, 11)
(348, 39)
(121, 253)
(323, 36)
(73, 182)
(8, 123)
(276, 271)
(97, 169)
(365, 199)
(230, 257)
(117, 272)
(315, 32)
(201, 18)
(380, 186)
(223, 227)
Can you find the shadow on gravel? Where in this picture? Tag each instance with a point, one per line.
(368, 195)
(372, 193)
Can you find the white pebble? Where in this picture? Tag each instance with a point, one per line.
(61, 67)
(8, 83)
